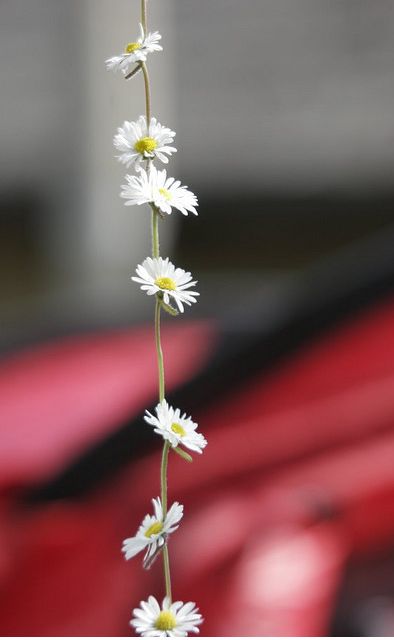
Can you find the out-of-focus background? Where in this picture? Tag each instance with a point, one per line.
(285, 129)
(284, 120)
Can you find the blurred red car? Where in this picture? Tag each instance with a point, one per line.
(289, 514)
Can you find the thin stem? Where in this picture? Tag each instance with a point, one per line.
(143, 16)
(155, 234)
(159, 351)
(166, 446)
(164, 465)
(133, 73)
(167, 575)
(160, 362)
(166, 558)
(147, 92)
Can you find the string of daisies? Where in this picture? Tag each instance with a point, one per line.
(140, 144)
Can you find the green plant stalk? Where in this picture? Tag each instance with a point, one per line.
(159, 351)
(166, 446)
(147, 92)
(133, 73)
(166, 558)
(143, 16)
(155, 234)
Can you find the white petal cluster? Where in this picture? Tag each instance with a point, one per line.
(175, 427)
(153, 532)
(138, 141)
(158, 275)
(169, 620)
(135, 52)
(155, 188)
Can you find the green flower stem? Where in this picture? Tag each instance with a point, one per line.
(167, 575)
(155, 234)
(133, 73)
(144, 22)
(166, 559)
(168, 308)
(166, 446)
(159, 351)
(160, 365)
(143, 15)
(147, 91)
(164, 465)
(182, 454)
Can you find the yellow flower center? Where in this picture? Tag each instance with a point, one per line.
(166, 194)
(178, 429)
(154, 529)
(145, 145)
(165, 283)
(165, 621)
(132, 46)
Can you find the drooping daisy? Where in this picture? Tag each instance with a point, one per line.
(139, 142)
(165, 193)
(177, 428)
(135, 52)
(153, 532)
(171, 620)
(158, 275)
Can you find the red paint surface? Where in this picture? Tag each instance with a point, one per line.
(273, 508)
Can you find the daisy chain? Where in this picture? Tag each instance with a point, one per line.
(153, 532)
(171, 620)
(135, 52)
(156, 275)
(138, 142)
(155, 188)
(177, 428)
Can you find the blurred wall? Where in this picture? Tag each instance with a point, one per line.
(69, 244)
(280, 106)
(295, 94)
(114, 232)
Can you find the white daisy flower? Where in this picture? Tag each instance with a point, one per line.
(155, 188)
(153, 532)
(139, 142)
(177, 428)
(172, 620)
(135, 52)
(156, 275)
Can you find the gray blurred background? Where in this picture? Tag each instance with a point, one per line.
(285, 126)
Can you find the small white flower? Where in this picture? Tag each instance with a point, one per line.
(155, 188)
(139, 142)
(176, 428)
(171, 620)
(153, 532)
(135, 52)
(156, 275)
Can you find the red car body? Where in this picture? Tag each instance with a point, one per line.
(295, 485)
